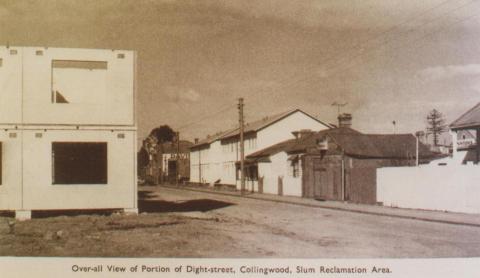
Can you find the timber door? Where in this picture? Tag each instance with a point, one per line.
(320, 183)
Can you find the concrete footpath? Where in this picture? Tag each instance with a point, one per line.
(422, 215)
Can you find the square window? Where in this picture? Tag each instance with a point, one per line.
(120, 56)
(88, 86)
(13, 52)
(79, 163)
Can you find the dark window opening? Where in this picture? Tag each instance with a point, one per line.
(295, 168)
(59, 98)
(79, 163)
(251, 172)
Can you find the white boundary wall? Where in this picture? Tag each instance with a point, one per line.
(454, 188)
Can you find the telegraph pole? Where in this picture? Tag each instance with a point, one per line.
(177, 171)
(242, 150)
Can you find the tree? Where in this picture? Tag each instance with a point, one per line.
(436, 125)
(163, 134)
(158, 136)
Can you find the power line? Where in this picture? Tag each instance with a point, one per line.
(341, 60)
(228, 107)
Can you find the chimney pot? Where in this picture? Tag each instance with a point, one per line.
(345, 120)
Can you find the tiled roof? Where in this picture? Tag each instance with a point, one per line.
(353, 143)
(471, 118)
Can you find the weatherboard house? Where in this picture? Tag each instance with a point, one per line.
(215, 159)
(68, 129)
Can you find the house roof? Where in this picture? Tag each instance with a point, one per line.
(471, 118)
(353, 143)
(380, 145)
(300, 144)
(265, 122)
(210, 139)
(252, 127)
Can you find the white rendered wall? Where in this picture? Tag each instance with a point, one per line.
(279, 167)
(282, 130)
(454, 188)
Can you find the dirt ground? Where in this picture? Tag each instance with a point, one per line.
(178, 223)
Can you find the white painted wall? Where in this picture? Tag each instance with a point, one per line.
(453, 188)
(282, 130)
(280, 167)
(220, 161)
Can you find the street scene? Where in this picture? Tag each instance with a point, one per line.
(184, 223)
(240, 129)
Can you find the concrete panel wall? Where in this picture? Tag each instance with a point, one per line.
(40, 193)
(11, 187)
(453, 188)
(10, 86)
(95, 96)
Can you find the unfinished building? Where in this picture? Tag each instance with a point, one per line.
(68, 132)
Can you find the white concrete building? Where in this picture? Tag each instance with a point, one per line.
(68, 132)
(215, 159)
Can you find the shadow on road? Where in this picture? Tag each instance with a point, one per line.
(202, 205)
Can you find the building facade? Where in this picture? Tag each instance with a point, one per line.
(334, 164)
(214, 160)
(68, 129)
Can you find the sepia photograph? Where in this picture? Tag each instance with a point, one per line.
(336, 130)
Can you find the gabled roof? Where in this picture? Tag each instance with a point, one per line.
(267, 121)
(252, 127)
(471, 118)
(211, 139)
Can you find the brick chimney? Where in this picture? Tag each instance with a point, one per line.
(196, 140)
(345, 120)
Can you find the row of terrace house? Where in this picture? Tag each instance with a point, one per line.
(214, 159)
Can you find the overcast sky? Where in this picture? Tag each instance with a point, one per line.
(390, 60)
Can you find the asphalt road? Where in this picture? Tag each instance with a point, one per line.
(256, 228)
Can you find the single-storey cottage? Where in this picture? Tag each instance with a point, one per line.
(333, 164)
